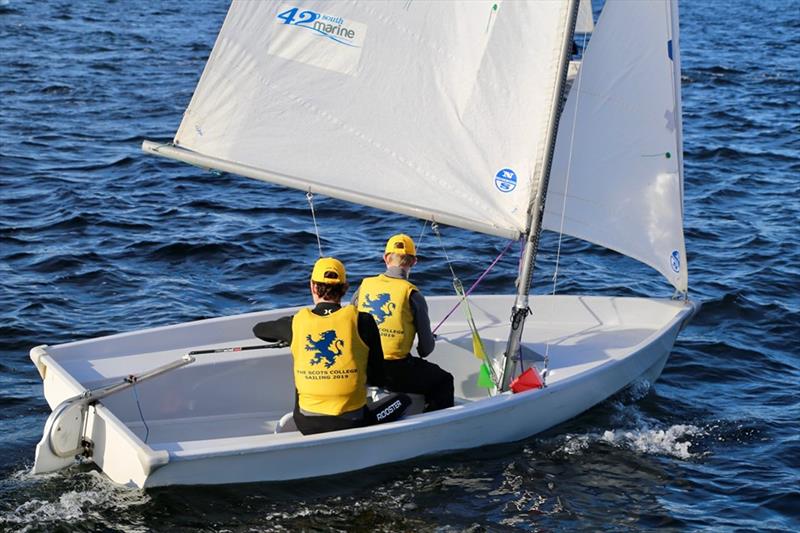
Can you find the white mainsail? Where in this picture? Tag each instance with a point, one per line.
(434, 109)
(617, 174)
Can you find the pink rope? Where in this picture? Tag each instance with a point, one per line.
(477, 281)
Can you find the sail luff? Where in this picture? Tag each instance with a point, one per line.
(187, 156)
(536, 211)
(676, 80)
(683, 282)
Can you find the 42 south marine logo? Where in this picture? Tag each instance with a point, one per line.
(329, 26)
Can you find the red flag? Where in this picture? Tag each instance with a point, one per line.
(530, 379)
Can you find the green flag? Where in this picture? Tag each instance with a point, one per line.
(485, 378)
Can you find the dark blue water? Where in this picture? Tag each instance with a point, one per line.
(97, 238)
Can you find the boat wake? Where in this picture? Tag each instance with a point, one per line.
(635, 431)
(93, 501)
(675, 441)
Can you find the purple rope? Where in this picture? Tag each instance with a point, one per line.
(477, 281)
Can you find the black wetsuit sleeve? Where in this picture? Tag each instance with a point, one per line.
(274, 330)
(426, 342)
(368, 331)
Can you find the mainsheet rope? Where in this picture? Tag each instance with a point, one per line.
(435, 228)
(421, 233)
(310, 198)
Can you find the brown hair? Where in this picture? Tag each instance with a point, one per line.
(330, 291)
(402, 260)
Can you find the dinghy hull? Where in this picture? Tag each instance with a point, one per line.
(214, 421)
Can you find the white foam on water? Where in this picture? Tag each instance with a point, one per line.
(673, 440)
(575, 444)
(636, 431)
(93, 494)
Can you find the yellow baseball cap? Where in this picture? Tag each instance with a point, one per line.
(400, 244)
(328, 270)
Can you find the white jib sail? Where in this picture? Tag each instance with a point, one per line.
(624, 190)
(438, 109)
(585, 21)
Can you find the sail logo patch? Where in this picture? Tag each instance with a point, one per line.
(381, 306)
(328, 347)
(505, 180)
(329, 26)
(675, 261)
(318, 39)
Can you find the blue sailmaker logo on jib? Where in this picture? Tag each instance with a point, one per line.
(505, 180)
(675, 261)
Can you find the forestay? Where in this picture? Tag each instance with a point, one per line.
(434, 109)
(622, 187)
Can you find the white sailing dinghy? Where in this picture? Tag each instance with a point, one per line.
(452, 112)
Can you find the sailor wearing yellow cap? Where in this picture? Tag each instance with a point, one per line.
(401, 313)
(336, 351)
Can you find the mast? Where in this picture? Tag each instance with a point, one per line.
(521, 310)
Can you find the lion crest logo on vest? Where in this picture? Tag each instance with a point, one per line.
(327, 348)
(381, 307)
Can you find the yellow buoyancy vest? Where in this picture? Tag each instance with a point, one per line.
(330, 361)
(387, 299)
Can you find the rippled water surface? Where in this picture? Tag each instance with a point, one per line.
(97, 238)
